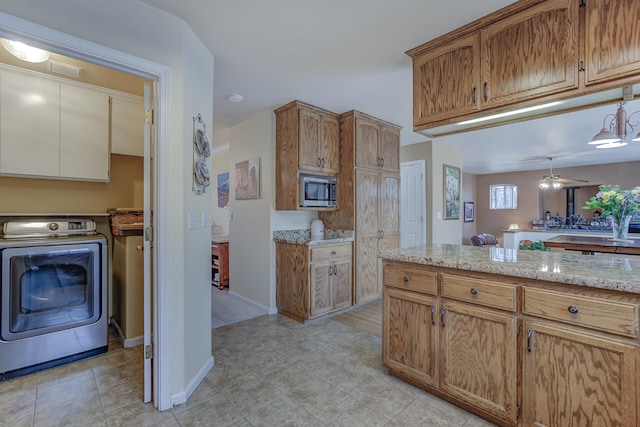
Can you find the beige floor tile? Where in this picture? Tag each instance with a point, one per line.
(74, 412)
(139, 414)
(55, 394)
(121, 394)
(262, 394)
(353, 413)
(280, 413)
(17, 406)
(430, 412)
(218, 412)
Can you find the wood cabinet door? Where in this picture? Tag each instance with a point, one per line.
(29, 131)
(410, 334)
(330, 143)
(574, 378)
(446, 81)
(390, 149)
(389, 216)
(309, 139)
(532, 53)
(366, 143)
(320, 288)
(612, 39)
(367, 236)
(341, 284)
(478, 357)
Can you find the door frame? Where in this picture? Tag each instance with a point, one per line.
(65, 44)
(403, 189)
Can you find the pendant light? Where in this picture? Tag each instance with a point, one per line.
(614, 135)
(24, 52)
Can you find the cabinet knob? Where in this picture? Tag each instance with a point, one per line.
(406, 279)
(333, 252)
(474, 291)
(573, 309)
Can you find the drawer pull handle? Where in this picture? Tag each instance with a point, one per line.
(529, 333)
(573, 309)
(406, 279)
(474, 291)
(333, 252)
(433, 315)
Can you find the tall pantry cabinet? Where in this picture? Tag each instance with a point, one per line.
(368, 195)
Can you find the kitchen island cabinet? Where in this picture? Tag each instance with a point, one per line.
(518, 337)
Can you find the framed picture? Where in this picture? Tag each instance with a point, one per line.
(451, 190)
(223, 190)
(468, 211)
(248, 179)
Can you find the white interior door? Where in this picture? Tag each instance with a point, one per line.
(148, 239)
(412, 206)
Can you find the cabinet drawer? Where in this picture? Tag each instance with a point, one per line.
(326, 253)
(602, 314)
(478, 291)
(410, 277)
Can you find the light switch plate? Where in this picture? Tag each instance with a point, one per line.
(205, 219)
(192, 220)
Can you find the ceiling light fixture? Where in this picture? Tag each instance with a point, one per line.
(510, 113)
(615, 135)
(24, 51)
(235, 97)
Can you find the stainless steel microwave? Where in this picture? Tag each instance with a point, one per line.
(318, 191)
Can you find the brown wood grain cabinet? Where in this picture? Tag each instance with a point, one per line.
(220, 264)
(307, 140)
(529, 53)
(313, 280)
(368, 197)
(515, 351)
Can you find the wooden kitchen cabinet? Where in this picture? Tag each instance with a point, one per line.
(313, 280)
(573, 377)
(478, 358)
(530, 53)
(307, 140)
(377, 145)
(64, 135)
(612, 36)
(446, 81)
(368, 196)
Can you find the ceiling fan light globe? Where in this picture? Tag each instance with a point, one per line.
(557, 185)
(612, 144)
(543, 185)
(604, 137)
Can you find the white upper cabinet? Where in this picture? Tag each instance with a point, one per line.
(29, 125)
(53, 129)
(127, 125)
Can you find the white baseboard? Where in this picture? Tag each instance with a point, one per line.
(262, 308)
(127, 342)
(181, 397)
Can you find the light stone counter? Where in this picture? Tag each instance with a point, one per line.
(303, 237)
(599, 271)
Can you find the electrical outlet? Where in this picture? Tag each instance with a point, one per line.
(439, 215)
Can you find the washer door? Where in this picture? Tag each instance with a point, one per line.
(49, 288)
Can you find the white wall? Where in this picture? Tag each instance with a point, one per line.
(140, 30)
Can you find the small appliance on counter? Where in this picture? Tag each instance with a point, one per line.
(317, 229)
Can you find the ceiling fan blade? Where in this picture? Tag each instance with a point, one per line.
(571, 180)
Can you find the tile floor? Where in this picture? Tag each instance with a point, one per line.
(228, 308)
(269, 371)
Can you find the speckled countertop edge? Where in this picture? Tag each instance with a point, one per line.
(595, 271)
(304, 237)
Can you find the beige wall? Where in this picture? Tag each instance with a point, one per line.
(532, 204)
(30, 195)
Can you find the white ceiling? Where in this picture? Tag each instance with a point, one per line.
(342, 55)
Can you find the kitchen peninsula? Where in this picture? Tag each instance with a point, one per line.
(517, 337)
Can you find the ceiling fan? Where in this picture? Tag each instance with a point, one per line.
(553, 180)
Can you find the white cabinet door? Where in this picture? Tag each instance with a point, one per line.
(127, 126)
(29, 125)
(84, 133)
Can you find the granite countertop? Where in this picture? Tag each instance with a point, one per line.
(620, 273)
(303, 237)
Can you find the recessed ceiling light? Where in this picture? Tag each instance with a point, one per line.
(235, 97)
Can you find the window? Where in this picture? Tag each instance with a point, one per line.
(503, 196)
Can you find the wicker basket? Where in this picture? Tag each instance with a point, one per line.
(125, 216)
